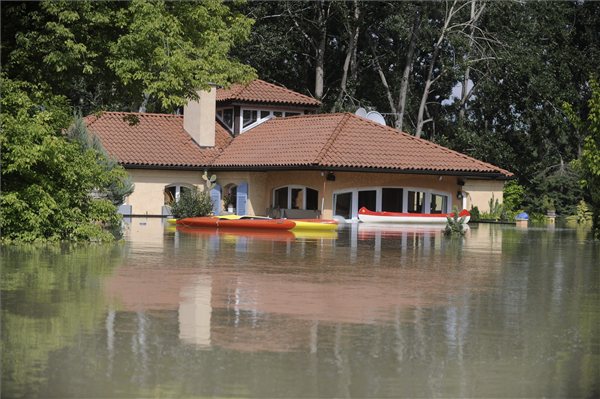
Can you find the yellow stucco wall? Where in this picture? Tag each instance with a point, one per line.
(150, 184)
(352, 180)
(479, 193)
(148, 195)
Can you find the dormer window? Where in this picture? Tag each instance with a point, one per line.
(250, 116)
(253, 117)
(226, 116)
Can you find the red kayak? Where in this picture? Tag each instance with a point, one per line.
(215, 222)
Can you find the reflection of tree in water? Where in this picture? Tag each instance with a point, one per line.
(49, 296)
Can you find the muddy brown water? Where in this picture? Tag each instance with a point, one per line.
(366, 312)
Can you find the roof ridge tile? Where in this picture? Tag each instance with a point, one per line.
(332, 138)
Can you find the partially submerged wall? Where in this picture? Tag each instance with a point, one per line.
(148, 197)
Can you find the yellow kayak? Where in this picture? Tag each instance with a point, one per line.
(314, 226)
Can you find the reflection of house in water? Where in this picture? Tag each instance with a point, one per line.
(277, 296)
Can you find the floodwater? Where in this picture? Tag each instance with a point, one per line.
(503, 312)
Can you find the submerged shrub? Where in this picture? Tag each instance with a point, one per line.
(454, 224)
(192, 203)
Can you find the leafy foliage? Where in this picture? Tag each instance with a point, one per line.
(47, 179)
(120, 186)
(124, 55)
(496, 210)
(535, 56)
(583, 215)
(192, 203)
(514, 194)
(589, 162)
(455, 224)
(475, 213)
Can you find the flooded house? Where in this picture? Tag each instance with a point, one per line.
(273, 154)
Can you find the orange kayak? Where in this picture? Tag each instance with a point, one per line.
(210, 221)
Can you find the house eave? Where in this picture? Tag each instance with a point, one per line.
(165, 167)
(470, 174)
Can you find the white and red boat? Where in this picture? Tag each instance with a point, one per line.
(367, 216)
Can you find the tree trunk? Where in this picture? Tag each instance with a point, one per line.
(430, 79)
(420, 121)
(350, 60)
(407, 69)
(465, 92)
(144, 104)
(320, 51)
(386, 86)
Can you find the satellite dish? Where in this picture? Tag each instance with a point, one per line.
(376, 117)
(361, 112)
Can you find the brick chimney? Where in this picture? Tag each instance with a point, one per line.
(199, 117)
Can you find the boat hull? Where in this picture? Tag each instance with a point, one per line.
(259, 223)
(367, 216)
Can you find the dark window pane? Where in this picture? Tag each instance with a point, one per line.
(368, 199)
(278, 114)
(292, 113)
(264, 114)
(343, 205)
(250, 117)
(391, 199)
(312, 199)
(228, 117)
(415, 202)
(439, 203)
(297, 198)
(281, 198)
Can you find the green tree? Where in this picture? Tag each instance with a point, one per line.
(49, 181)
(589, 163)
(124, 55)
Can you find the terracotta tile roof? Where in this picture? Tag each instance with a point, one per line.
(156, 140)
(259, 91)
(343, 141)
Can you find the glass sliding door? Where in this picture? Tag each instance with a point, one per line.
(439, 203)
(343, 205)
(312, 199)
(416, 201)
(281, 198)
(391, 199)
(368, 199)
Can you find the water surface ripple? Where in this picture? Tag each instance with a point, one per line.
(366, 312)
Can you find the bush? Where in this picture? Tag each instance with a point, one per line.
(454, 224)
(192, 203)
(514, 195)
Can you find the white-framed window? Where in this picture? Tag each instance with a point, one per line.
(225, 115)
(172, 192)
(252, 117)
(296, 197)
(347, 202)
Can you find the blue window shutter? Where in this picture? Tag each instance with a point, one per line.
(215, 197)
(242, 198)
